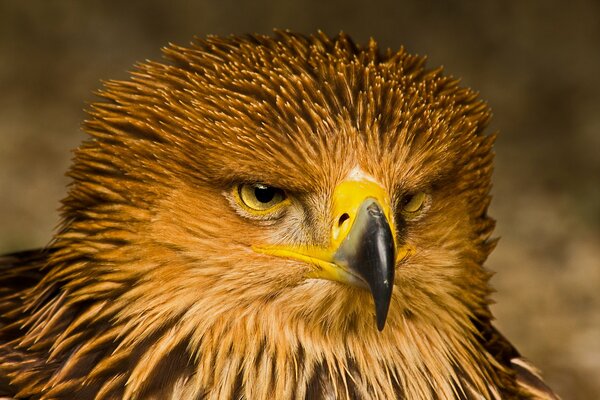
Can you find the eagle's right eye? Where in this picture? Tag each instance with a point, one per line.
(259, 198)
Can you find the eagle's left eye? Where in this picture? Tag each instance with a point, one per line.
(413, 204)
(258, 197)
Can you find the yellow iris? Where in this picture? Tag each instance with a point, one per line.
(414, 203)
(259, 198)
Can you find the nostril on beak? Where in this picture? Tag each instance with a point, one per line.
(343, 219)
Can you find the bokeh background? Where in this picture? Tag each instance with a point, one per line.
(536, 62)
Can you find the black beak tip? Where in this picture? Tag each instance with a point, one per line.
(382, 306)
(380, 323)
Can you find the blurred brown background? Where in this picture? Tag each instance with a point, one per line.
(536, 62)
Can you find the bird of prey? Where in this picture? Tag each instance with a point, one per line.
(268, 217)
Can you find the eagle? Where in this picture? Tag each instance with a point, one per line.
(279, 216)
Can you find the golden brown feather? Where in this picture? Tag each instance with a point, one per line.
(152, 288)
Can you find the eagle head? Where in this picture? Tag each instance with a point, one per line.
(273, 216)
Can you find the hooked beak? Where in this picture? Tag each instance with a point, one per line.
(362, 250)
(368, 251)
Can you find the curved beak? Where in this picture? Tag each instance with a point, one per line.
(368, 252)
(362, 250)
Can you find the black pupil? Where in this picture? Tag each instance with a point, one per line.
(265, 194)
(407, 199)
